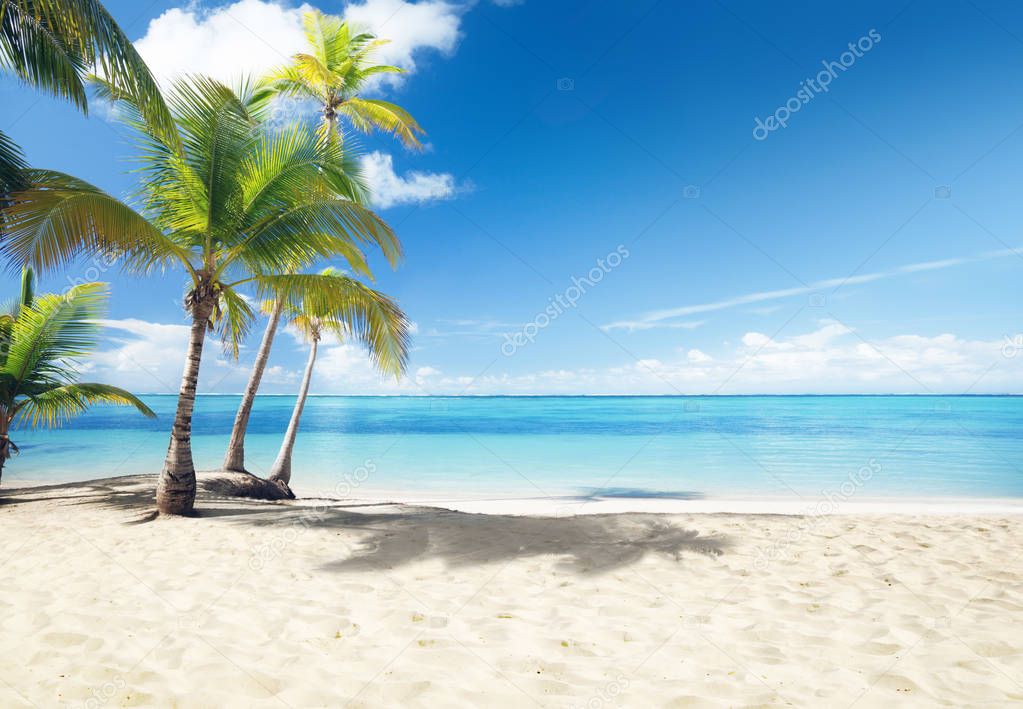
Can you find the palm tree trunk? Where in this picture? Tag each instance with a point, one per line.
(234, 459)
(5, 441)
(281, 470)
(175, 490)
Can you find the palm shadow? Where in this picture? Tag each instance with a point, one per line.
(387, 536)
(583, 544)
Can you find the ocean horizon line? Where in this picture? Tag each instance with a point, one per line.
(606, 396)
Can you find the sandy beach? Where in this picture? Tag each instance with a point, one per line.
(371, 605)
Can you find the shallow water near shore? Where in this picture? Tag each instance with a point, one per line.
(805, 448)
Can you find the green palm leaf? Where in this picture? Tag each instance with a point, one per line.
(59, 218)
(51, 44)
(369, 114)
(347, 308)
(58, 404)
(53, 330)
(12, 165)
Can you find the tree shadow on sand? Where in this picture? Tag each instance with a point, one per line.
(584, 544)
(384, 536)
(129, 492)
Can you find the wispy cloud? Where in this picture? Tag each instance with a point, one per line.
(662, 318)
(634, 325)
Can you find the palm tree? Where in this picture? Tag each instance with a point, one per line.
(41, 337)
(53, 44)
(234, 208)
(334, 71)
(312, 323)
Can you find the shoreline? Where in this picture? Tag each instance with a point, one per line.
(369, 604)
(571, 505)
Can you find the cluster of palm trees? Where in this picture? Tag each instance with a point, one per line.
(241, 206)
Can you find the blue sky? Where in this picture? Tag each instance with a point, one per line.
(869, 245)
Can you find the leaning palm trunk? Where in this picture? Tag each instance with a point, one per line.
(175, 490)
(234, 460)
(5, 451)
(281, 470)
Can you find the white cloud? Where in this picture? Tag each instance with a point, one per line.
(662, 318)
(410, 27)
(829, 359)
(149, 357)
(251, 36)
(389, 188)
(243, 38)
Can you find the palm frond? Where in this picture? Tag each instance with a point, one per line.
(372, 114)
(217, 131)
(60, 218)
(60, 403)
(316, 228)
(52, 43)
(314, 73)
(350, 309)
(53, 330)
(28, 287)
(35, 45)
(294, 164)
(235, 319)
(322, 34)
(12, 165)
(288, 81)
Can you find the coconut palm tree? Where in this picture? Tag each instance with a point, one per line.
(41, 338)
(236, 208)
(53, 44)
(334, 71)
(313, 323)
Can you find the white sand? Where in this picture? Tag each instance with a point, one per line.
(283, 605)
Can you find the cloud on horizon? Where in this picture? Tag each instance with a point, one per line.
(832, 359)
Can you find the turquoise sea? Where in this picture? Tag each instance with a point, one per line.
(742, 446)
